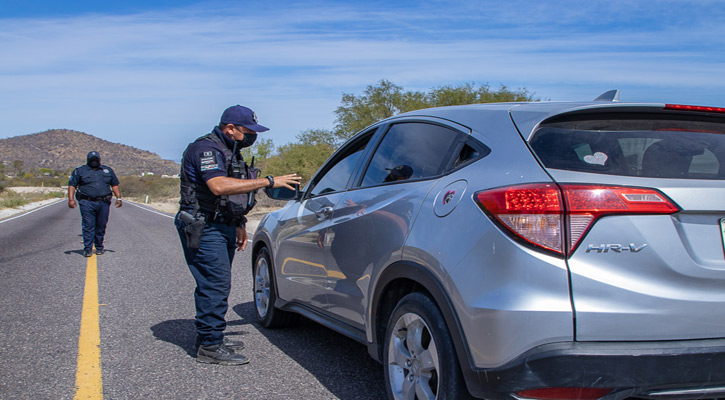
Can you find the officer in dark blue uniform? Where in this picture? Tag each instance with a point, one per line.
(92, 185)
(215, 196)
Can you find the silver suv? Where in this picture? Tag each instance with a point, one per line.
(516, 251)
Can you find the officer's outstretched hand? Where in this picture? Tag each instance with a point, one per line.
(71, 203)
(287, 181)
(119, 203)
(241, 238)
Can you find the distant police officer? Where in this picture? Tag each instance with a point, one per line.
(92, 185)
(216, 187)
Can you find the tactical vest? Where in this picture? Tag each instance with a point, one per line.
(229, 209)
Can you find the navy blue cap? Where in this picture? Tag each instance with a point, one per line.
(93, 154)
(240, 115)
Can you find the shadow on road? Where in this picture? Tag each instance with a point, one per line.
(80, 252)
(341, 364)
(180, 332)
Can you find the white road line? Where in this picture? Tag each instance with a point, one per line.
(150, 210)
(165, 215)
(31, 211)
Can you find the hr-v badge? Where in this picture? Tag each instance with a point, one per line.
(448, 198)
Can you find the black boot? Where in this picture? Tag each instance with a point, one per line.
(219, 354)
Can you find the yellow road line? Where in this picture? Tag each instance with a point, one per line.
(89, 385)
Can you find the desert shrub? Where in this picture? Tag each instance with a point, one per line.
(156, 187)
(11, 199)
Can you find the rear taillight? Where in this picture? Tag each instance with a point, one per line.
(545, 214)
(564, 393)
(533, 212)
(683, 107)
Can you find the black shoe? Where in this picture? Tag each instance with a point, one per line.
(219, 354)
(87, 253)
(230, 343)
(100, 251)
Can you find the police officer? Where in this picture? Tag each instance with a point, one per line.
(92, 185)
(216, 188)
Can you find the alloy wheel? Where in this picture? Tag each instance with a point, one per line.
(413, 358)
(261, 287)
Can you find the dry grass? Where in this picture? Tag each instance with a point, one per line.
(19, 196)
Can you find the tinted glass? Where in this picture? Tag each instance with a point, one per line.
(468, 154)
(656, 147)
(336, 177)
(411, 151)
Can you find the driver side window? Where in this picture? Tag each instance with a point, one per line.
(336, 177)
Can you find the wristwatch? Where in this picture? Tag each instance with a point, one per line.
(271, 181)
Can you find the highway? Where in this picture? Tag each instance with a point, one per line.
(145, 321)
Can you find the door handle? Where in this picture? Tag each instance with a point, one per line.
(324, 213)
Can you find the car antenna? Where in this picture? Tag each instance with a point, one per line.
(612, 95)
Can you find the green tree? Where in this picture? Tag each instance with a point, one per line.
(314, 137)
(18, 168)
(302, 159)
(387, 99)
(377, 102)
(468, 93)
(261, 150)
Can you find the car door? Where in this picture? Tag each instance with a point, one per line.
(369, 225)
(301, 263)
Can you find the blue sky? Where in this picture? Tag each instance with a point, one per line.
(155, 74)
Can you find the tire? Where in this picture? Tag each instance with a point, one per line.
(265, 294)
(419, 359)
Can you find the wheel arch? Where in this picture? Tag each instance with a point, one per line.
(395, 282)
(261, 241)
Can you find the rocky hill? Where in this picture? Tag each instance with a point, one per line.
(63, 150)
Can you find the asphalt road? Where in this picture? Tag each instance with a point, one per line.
(146, 321)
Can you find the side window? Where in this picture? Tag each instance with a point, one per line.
(411, 150)
(466, 154)
(337, 176)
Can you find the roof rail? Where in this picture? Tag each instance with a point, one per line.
(612, 95)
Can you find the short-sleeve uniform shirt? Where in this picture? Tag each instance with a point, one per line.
(204, 159)
(93, 182)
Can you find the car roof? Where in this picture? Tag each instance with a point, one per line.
(526, 115)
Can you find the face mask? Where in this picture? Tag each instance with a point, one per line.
(249, 139)
(94, 163)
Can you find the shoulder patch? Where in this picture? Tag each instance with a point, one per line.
(208, 161)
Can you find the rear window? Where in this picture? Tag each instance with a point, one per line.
(650, 145)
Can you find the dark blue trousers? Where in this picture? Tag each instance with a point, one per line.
(95, 218)
(211, 266)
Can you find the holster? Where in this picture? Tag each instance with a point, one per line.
(194, 227)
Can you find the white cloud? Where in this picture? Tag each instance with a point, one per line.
(148, 79)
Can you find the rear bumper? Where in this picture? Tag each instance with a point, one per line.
(663, 370)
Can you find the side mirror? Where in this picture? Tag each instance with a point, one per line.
(283, 193)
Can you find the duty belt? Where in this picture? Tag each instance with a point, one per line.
(221, 219)
(81, 196)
